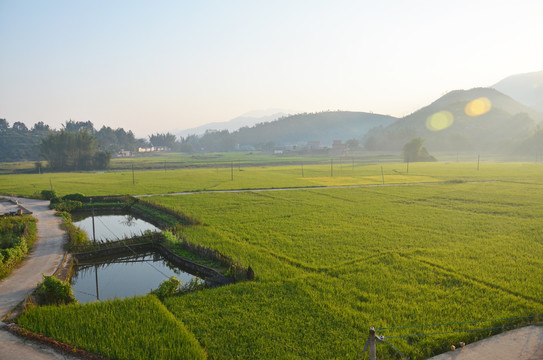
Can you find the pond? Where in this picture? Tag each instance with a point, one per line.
(123, 276)
(112, 226)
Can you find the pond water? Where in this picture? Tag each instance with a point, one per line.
(123, 276)
(112, 227)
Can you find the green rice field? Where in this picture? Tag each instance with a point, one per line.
(456, 245)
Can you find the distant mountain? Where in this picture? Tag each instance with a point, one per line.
(506, 124)
(248, 119)
(525, 88)
(324, 127)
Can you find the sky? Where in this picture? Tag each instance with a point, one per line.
(157, 66)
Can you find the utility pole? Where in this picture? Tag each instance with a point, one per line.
(302, 169)
(408, 166)
(331, 167)
(382, 174)
(478, 159)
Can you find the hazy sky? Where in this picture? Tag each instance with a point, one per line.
(156, 66)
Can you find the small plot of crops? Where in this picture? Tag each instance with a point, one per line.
(17, 234)
(137, 328)
(331, 263)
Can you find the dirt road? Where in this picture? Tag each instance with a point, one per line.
(520, 344)
(43, 259)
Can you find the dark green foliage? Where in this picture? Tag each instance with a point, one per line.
(53, 291)
(167, 288)
(72, 151)
(18, 143)
(76, 197)
(17, 234)
(66, 205)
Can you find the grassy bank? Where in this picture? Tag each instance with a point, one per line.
(17, 234)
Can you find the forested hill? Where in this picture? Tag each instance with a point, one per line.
(497, 124)
(324, 127)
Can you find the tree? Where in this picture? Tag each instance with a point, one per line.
(77, 126)
(4, 125)
(352, 144)
(413, 151)
(19, 127)
(167, 140)
(40, 127)
(73, 151)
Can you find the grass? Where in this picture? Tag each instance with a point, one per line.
(330, 263)
(136, 328)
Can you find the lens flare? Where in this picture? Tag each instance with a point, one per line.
(440, 121)
(478, 107)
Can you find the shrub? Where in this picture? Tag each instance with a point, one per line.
(75, 197)
(167, 288)
(53, 291)
(48, 194)
(66, 205)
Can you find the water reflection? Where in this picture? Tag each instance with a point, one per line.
(113, 227)
(123, 276)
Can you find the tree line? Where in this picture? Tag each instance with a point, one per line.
(76, 146)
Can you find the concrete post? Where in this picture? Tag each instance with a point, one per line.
(372, 344)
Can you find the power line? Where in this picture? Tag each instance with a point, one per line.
(135, 253)
(298, 352)
(396, 349)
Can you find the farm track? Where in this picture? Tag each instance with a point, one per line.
(310, 188)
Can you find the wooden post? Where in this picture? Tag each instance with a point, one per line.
(408, 166)
(478, 159)
(133, 179)
(302, 169)
(382, 174)
(232, 171)
(372, 344)
(51, 184)
(331, 167)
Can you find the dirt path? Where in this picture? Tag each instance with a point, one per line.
(305, 188)
(520, 344)
(43, 259)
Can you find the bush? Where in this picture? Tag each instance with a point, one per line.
(66, 205)
(167, 288)
(48, 194)
(75, 197)
(53, 291)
